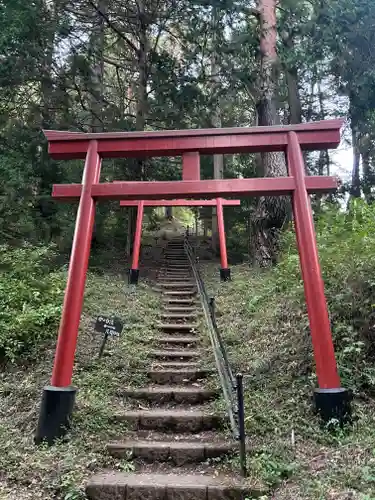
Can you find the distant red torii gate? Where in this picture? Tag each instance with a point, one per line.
(331, 399)
(219, 203)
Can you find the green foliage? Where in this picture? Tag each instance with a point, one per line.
(271, 468)
(30, 300)
(346, 248)
(346, 241)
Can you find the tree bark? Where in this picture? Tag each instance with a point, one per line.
(48, 174)
(216, 122)
(368, 174)
(355, 189)
(291, 74)
(271, 212)
(97, 74)
(141, 99)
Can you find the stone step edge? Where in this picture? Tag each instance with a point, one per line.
(180, 452)
(170, 393)
(177, 340)
(174, 353)
(171, 420)
(137, 486)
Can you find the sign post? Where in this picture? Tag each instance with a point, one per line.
(108, 326)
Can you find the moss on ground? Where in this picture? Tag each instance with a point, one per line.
(31, 472)
(266, 331)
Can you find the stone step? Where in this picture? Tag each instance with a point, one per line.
(175, 354)
(175, 256)
(177, 326)
(164, 394)
(176, 275)
(171, 300)
(176, 281)
(171, 420)
(175, 267)
(179, 315)
(183, 339)
(176, 365)
(182, 310)
(149, 486)
(179, 277)
(177, 453)
(176, 293)
(180, 266)
(175, 376)
(180, 285)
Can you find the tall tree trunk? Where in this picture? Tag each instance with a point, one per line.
(96, 55)
(142, 102)
(48, 174)
(324, 155)
(368, 174)
(216, 122)
(355, 189)
(291, 74)
(271, 212)
(97, 40)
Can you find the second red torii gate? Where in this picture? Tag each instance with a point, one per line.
(218, 203)
(332, 401)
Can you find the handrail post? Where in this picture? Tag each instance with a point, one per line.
(241, 424)
(212, 307)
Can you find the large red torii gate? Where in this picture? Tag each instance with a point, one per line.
(332, 401)
(219, 203)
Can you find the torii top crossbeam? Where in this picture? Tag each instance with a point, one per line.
(311, 136)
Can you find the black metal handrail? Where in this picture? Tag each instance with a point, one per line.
(232, 386)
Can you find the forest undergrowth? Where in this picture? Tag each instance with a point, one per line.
(263, 318)
(40, 472)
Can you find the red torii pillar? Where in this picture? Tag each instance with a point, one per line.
(219, 203)
(332, 401)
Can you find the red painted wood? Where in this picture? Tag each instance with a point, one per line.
(191, 167)
(312, 277)
(71, 313)
(195, 189)
(221, 231)
(312, 136)
(180, 203)
(58, 135)
(138, 235)
(319, 135)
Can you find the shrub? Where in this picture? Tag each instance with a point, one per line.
(30, 299)
(346, 242)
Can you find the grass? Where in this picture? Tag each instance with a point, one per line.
(40, 472)
(267, 335)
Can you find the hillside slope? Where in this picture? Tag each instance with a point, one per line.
(262, 315)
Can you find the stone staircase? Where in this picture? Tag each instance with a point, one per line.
(176, 439)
